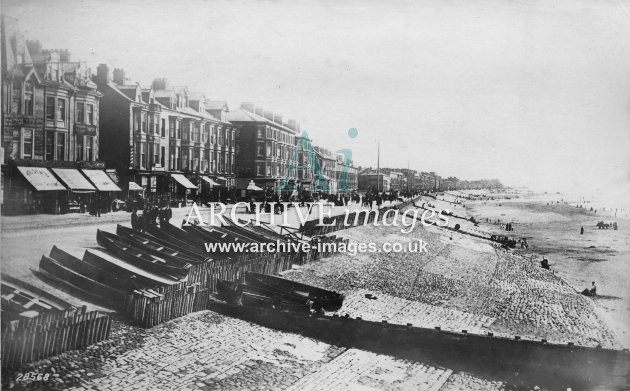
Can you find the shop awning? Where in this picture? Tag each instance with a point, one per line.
(133, 186)
(253, 187)
(73, 179)
(182, 180)
(41, 179)
(221, 178)
(101, 180)
(210, 181)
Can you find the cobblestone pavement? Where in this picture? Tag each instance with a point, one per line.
(360, 370)
(208, 351)
(469, 280)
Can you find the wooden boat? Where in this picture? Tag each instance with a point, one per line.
(25, 301)
(127, 271)
(250, 296)
(321, 298)
(165, 236)
(181, 247)
(153, 248)
(208, 235)
(78, 282)
(250, 230)
(168, 266)
(90, 271)
(191, 240)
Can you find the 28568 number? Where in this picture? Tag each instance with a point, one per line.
(32, 376)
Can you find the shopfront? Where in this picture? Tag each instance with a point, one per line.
(182, 189)
(36, 190)
(80, 192)
(107, 190)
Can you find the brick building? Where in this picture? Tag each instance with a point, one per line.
(50, 119)
(164, 139)
(266, 145)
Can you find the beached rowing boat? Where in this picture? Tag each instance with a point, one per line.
(127, 271)
(138, 256)
(20, 300)
(183, 248)
(321, 298)
(251, 296)
(83, 284)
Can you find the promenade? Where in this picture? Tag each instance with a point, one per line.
(461, 283)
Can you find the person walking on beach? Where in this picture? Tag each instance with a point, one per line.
(582, 231)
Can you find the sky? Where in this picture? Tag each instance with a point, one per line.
(534, 93)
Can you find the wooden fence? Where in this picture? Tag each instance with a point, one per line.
(27, 340)
(147, 308)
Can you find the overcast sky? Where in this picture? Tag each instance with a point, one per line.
(535, 93)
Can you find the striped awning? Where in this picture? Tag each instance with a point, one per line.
(133, 186)
(41, 178)
(210, 181)
(101, 180)
(182, 180)
(73, 179)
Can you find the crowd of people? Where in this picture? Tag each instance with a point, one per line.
(150, 217)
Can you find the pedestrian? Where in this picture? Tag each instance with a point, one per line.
(134, 219)
(582, 231)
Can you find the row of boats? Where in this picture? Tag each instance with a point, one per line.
(143, 261)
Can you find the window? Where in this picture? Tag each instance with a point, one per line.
(50, 146)
(50, 108)
(260, 169)
(89, 148)
(171, 151)
(144, 122)
(80, 116)
(179, 158)
(178, 128)
(28, 103)
(163, 128)
(143, 155)
(260, 149)
(136, 121)
(27, 143)
(79, 148)
(268, 149)
(195, 165)
(185, 159)
(163, 150)
(61, 110)
(61, 146)
(260, 133)
(90, 114)
(156, 153)
(269, 170)
(171, 128)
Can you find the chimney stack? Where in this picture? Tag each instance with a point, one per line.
(249, 106)
(160, 84)
(119, 76)
(277, 119)
(102, 74)
(259, 111)
(268, 115)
